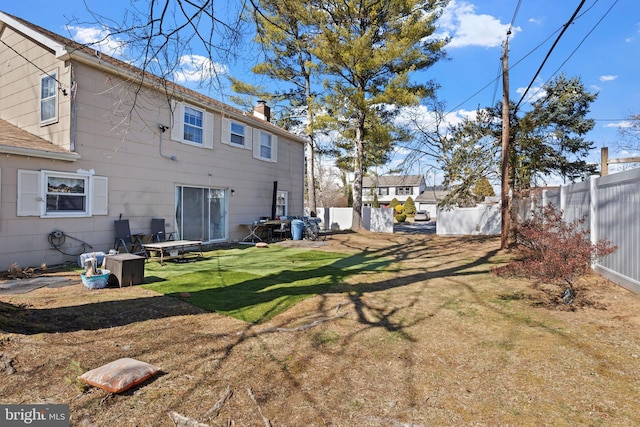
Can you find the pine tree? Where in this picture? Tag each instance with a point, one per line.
(368, 49)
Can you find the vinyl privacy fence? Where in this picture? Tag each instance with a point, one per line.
(611, 208)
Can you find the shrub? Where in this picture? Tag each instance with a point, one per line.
(401, 217)
(393, 203)
(553, 250)
(398, 209)
(409, 207)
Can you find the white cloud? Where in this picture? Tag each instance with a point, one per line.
(536, 21)
(620, 125)
(466, 28)
(608, 78)
(98, 39)
(535, 93)
(196, 68)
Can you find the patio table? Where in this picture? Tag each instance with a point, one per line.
(172, 245)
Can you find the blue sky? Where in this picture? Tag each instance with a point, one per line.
(601, 46)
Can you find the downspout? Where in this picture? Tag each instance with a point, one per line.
(74, 113)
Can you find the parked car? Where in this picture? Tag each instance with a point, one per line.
(422, 216)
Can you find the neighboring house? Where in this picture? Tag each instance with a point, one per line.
(428, 200)
(86, 139)
(388, 187)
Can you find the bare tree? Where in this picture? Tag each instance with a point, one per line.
(176, 40)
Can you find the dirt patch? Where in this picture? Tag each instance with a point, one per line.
(434, 339)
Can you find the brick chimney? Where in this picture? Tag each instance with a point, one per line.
(262, 111)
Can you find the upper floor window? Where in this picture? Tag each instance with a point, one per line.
(265, 146)
(404, 191)
(193, 125)
(383, 191)
(237, 134)
(49, 98)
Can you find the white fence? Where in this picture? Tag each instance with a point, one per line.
(481, 219)
(611, 208)
(379, 220)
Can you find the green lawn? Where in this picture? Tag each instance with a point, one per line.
(255, 284)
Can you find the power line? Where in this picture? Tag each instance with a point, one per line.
(496, 80)
(581, 41)
(565, 27)
(64, 91)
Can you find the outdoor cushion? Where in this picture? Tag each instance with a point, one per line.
(119, 375)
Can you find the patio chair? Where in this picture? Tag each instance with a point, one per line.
(282, 231)
(158, 233)
(124, 239)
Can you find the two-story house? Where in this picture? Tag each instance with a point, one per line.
(86, 139)
(388, 187)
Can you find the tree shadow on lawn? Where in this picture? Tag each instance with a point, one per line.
(260, 298)
(269, 295)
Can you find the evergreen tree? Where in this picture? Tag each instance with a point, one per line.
(368, 49)
(409, 207)
(482, 189)
(393, 203)
(284, 31)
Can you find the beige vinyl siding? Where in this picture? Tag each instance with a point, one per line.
(134, 154)
(20, 88)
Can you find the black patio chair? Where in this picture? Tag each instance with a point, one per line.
(158, 233)
(131, 243)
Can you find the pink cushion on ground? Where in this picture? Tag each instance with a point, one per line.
(119, 375)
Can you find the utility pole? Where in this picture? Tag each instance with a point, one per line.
(504, 164)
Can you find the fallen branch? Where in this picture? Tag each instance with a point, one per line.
(224, 396)
(182, 421)
(267, 423)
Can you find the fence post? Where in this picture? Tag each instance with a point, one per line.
(593, 208)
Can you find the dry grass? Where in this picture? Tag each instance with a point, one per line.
(434, 340)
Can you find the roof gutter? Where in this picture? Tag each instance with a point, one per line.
(30, 152)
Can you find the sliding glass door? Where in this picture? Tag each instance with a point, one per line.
(201, 213)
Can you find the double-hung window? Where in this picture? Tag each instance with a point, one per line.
(265, 146)
(49, 98)
(193, 125)
(237, 136)
(281, 203)
(404, 191)
(66, 193)
(61, 194)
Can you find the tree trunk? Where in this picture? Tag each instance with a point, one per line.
(357, 176)
(309, 147)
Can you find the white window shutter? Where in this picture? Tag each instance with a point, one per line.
(208, 130)
(274, 148)
(256, 145)
(248, 138)
(100, 195)
(177, 125)
(30, 201)
(226, 131)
